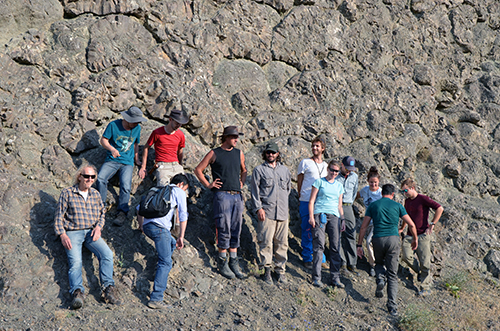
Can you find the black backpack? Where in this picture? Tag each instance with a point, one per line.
(156, 203)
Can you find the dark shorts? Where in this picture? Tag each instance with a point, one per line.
(228, 215)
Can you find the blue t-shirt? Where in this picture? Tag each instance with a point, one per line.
(123, 140)
(369, 196)
(327, 200)
(385, 214)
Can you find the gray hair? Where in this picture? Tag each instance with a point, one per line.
(80, 170)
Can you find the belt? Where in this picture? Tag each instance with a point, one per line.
(232, 192)
(346, 203)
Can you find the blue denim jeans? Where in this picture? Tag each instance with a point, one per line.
(307, 236)
(165, 246)
(108, 170)
(99, 248)
(228, 215)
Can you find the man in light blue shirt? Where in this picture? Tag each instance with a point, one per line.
(349, 179)
(158, 229)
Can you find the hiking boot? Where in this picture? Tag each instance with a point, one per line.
(110, 295)
(352, 270)
(77, 302)
(267, 276)
(379, 292)
(325, 265)
(282, 279)
(318, 283)
(157, 305)
(372, 272)
(223, 267)
(308, 265)
(393, 311)
(337, 283)
(120, 219)
(234, 265)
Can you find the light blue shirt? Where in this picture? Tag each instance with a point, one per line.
(177, 199)
(369, 196)
(350, 185)
(327, 200)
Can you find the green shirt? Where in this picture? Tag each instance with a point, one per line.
(385, 214)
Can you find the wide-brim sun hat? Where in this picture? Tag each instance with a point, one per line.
(179, 116)
(133, 115)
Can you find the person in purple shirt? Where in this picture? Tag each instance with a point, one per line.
(417, 206)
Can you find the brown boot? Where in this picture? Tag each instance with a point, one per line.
(78, 298)
(111, 296)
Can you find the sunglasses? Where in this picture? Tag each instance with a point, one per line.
(88, 176)
(333, 170)
(270, 152)
(404, 191)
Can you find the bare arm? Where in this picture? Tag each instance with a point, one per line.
(180, 240)
(105, 143)
(362, 231)
(142, 171)
(136, 154)
(243, 170)
(180, 155)
(198, 171)
(413, 231)
(435, 219)
(312, 200)
(300, 180)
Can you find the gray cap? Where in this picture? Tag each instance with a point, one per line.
(273, 147)
(133, 115)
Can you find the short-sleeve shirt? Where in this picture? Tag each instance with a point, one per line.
(177, 199)
(123, 140)
(385, 214)
(369, 196)
(166, 145)
(311, 171)
(327, 200)
(418, 209)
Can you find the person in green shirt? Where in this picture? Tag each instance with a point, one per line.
(386, 242)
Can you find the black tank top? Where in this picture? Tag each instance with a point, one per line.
(227, 167)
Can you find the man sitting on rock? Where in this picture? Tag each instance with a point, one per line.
(417, 206)
(158, 229)
(79, 220)
(121, 140)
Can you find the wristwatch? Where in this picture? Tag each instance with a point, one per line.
(432, 223)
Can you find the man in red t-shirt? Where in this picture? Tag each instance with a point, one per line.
(417, 206)
(169, 143)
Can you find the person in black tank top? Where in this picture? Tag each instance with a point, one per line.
(228, 176)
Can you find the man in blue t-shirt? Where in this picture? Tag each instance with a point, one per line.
(386, 242)
(121, 140)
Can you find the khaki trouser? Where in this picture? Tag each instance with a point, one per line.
(272, 237)
(423, 265)
(165, 172)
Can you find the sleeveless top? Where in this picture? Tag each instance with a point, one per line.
(227, 167)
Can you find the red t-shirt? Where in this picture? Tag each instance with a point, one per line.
(166, 145)
(418, 209)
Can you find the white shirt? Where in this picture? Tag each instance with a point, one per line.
(311, 171)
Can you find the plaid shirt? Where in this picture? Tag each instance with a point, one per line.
(74, 213)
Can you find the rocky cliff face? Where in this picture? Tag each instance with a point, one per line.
(410, 86)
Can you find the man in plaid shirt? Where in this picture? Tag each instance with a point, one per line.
(78, 221)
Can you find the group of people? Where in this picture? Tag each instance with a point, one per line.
(326, 195)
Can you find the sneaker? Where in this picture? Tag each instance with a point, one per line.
(77, 302)
(156, 305)
(120, 219)
(110, 295)
(282, 279)
(308, 265)
(318, 283)
(223, 268)
(424, 293)
(372, 272)
(234, 265)
(337, 283)
(379, 292)
(266, 277)
(393, 311)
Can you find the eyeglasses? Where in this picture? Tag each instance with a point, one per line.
(271, 152)
(88, 176)
(404, 191)
(333, 170)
